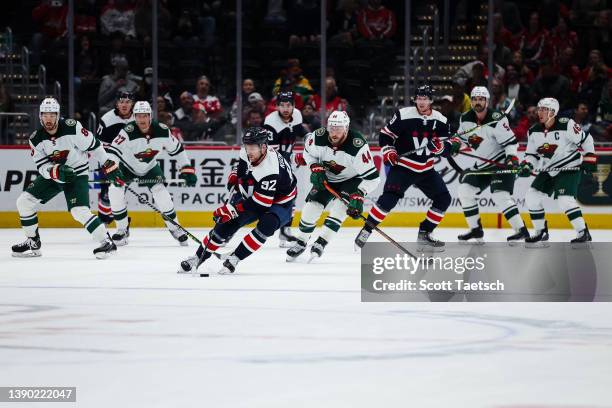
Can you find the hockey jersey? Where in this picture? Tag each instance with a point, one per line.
(269, 182)
(284, 134)
(409, 130)
(110, 126)
(138, 151)
(493, 142)
(70, 145)
(349, 160)
(557, 147)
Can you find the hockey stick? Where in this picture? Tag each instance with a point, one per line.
(368, 223)
(497, 164)
(142, 181)
(514, 171)
(142, 199)
(504, 114)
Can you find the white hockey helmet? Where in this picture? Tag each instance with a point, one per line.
(338, 119)
(49, 105)
(549, 103)
(142, 107)
(480, 91)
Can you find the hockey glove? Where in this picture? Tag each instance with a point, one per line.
(389, 155)
(233, 179)
(61, 173)
(455, 145)
(435, 146)
(589, 163)
(188, 174)
(299, 159)
(227, 212)
(317, 176)
(113, 172)
(512, 162)
(524, 169)
(355, 205)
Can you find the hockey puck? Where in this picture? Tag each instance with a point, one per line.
(204, 275)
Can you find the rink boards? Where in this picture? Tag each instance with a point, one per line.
(195, 204)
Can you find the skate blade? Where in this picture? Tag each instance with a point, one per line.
(290, 258)
(357, 248)
(104, 255)
(474, 241)
(225, 271)
(515, 243)
(429, 249)
(121, 242)
(313, 257)
(581, 245)
(184, 243)
(31, 254)
(285, 244)
(536, 245)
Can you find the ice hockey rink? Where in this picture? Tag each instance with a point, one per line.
(130, 332)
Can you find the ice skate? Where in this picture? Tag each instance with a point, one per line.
(539, 240)
(362, 238)
(107, 248)
(316, 250)
(229, 266)
(426, 243)
(29, 248)
(516, 238)
(473, 236)
(286, 238)
(296, 250)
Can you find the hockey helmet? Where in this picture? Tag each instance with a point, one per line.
(285, 97)
(480, 91)
(338, 119)
(49, 105)
(126, 95)
(424, 90)
(142, 107)
(256, 136)
(549, 103)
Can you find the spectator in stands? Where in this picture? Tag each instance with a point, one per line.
(86, 60)
(475, 73)
(343, 24)
(187, 30)
(502, 34)
(292, 79)
(595, 62)
(310, 117)
(118, 16)
(526, 122)
(257, 102)
(566, 67)
(201, 126)
(596, 80)
(534, 42)
(602, 128)
(447, 108)
(254, 118)
(562, 37)
(515, 89)
(143, 18)
(499, 99)
(581, 116)
(50, 19)
(120, 80)
(183, 114)
(167, 119)
(117, 49)
(211, 103)
(525, 73)
(461, 100)
(376, 22)
(599, 35)
(302, 23)
(550, 84)
(333, 101)
(248, 87)
(162, 105)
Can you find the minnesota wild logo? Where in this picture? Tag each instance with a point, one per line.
(334, 167)
(474, 141)
(147, 155)
(547, 150)
(59, 156)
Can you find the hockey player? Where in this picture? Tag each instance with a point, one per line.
(110, 125)
(417, 127)
(286, 126)
(266, 194)
(552, 144)
(342, 157)
(60, 150)
(495, 142)
(136, 148)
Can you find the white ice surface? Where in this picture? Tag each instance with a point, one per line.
(130, 332)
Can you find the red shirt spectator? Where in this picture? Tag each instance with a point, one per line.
(527, 121)
(561, 37)
(534, 41)
(567, 68)
(595, 59)
(333, 101)
(52, 18)
(376, 22)
(118, 16)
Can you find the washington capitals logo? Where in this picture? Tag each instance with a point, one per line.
(334, 167)
(474, 141)
(59, 156)
(147, 155)
(547, 150)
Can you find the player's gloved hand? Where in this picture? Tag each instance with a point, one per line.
(232, 179)
(512, 162)
(61, 173)
(455, 145)
(589, 163)
(524, 169)
(227, 212)
(435, 146)
(299, 159)
(113, 172)
(317, 176)
(389, 155)
(355, 205)
(188, 174)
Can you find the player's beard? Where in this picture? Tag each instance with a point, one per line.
(50, 126)
(479, 108)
